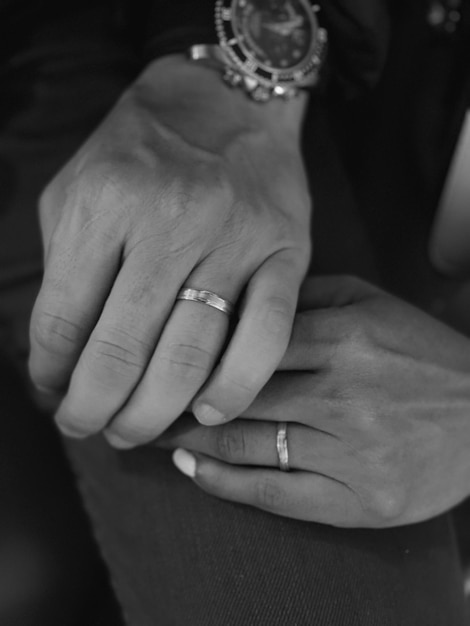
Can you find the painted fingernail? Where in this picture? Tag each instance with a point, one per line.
(116, 441)
(207, 415)
(185, 462)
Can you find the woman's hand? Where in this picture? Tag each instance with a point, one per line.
(187, 183)
(376, 395)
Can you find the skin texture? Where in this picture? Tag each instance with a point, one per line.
(376, 395)
(185, 183)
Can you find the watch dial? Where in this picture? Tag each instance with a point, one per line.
(276, 34)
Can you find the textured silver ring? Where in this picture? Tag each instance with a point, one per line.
(281, 445)
(206, 297)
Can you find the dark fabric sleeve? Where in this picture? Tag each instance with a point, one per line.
(24, 24)
(358, 35)
(174, 25)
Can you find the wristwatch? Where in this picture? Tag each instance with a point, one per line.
(269, 48)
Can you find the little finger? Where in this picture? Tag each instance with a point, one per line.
(257, 346)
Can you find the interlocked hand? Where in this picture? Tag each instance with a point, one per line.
(187, 183)
(376, 396)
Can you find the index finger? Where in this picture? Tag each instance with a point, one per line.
(80, 269)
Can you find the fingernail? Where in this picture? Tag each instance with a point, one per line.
(47, 391)
(185, 462)
(207, 415)
(69, 431)
(116, 441)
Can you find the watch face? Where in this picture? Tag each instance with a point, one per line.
(276, 33)
(274, 38)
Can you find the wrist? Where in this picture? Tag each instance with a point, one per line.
(181, 88)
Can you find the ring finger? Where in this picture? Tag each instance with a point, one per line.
(245, 442)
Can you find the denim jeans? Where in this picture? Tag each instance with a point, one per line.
(176, 555)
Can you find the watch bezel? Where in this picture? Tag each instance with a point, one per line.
(296, 75)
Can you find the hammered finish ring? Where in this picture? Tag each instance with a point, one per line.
(206, 297)
(281, 446)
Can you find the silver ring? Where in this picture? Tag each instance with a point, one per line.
(206, 297)
(281, 445)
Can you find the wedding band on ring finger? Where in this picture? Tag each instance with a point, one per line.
(206, 297)
(282, 447)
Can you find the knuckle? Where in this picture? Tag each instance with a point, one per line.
(389, 505)
(230, 442)
(56, 333)
(357, 347)
(268, 494)
(384, 494)
(279, 316)
(186, 362)
(386, 504)
(108, 190)
(116, 353)
(114, 357)
(77, 424)
(103, 178)
(367, 419)
(356, 336)
(243, 384)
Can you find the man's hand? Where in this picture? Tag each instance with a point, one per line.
(376, 395)
(186, 183)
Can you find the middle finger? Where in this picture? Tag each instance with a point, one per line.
(120, 345)
(187, 351)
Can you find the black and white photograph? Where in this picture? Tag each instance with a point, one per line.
(235, 313)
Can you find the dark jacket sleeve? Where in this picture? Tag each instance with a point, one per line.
(26, 24)
(174, 25)
(358, 35)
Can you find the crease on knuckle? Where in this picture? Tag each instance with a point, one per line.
(56, 334)
(246, 383)
(230, 442)
(186, 361)
(82, 425)
(268, 494)
(121, 356)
